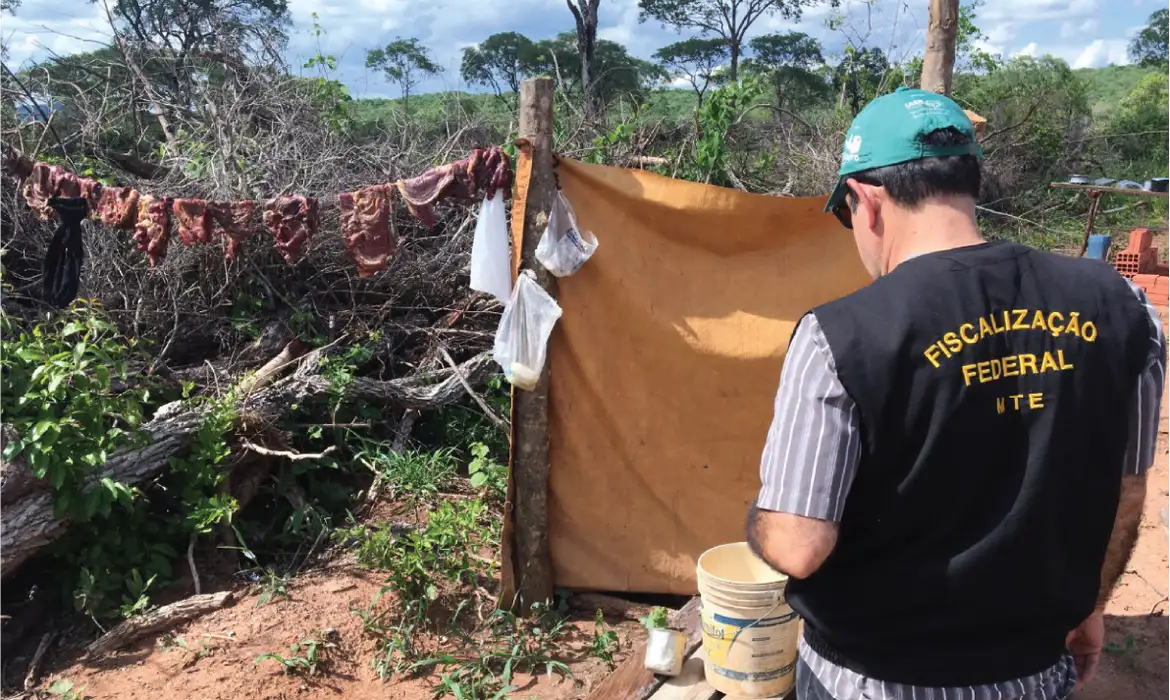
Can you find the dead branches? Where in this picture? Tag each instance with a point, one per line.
(157, 621)
(28, 523)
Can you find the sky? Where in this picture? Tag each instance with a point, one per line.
(1086, 33)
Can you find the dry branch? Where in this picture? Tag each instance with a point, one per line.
(28, 524)
(157, 621)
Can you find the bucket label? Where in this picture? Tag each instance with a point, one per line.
(757, 677)
(736, 645)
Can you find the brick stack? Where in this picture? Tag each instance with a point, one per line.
(1156, 287)
(1139, 257)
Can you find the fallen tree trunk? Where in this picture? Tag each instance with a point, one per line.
(27, 524)
(157, 621)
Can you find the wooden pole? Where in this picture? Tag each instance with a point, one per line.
(938, 65)
(530, 461)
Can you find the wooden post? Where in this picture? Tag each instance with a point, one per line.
(938, 65)
(1094, 204)
(534, 580)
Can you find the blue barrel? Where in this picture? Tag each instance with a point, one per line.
(1098, 246)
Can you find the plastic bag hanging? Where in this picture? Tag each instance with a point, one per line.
(522, 338)
(491, 257)
(63, 260)
(563, 247)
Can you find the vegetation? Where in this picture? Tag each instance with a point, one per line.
(267, 476)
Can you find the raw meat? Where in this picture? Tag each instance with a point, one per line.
(15, 163)
(292, 220)
(37, 190)
(92, 191)
(117, 207)
(45, 181)
(235, 220)
(367, 228)
(153, 227)
(193, 221)
(485, 169)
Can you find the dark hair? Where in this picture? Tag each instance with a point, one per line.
(911, 183)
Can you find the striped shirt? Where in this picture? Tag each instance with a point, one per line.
(812, 455)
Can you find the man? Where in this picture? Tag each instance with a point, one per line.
(955, 471)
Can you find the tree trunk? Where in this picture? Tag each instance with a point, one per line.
(733, 70)
(585, 17)
(938, 64)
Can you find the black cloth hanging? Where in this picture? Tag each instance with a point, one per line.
(62, 275)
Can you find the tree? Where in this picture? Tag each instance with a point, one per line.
(696, 59)
(729, 20)
(585, 17)
(1150, 47)
(1137, 128)
(789, 61)
(403, 61)
(860, 77)
(616, 72)
(498, 62)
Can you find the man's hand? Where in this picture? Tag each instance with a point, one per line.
(1085, 643)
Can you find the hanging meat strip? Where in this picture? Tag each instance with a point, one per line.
(485, 169)
(153, 227)
(367, 228)
(15, 163)
(193, 220)
(45, 181)
(117, 207)
(37, 190)
(236, 220)
(92, 191)
(292, 220)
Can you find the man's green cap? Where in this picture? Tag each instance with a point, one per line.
(890, 130)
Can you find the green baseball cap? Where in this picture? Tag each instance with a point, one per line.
(890, 129)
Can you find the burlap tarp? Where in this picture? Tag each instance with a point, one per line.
(665, 364)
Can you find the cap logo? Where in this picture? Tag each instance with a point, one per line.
(852, 147)
(921, 103)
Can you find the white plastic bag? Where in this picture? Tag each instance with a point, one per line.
(491, 258)
(522, 338)
(564, 248)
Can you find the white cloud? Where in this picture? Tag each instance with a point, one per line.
(1102, 52)
(1029, 50)
(1022, 11)
(1072, 29)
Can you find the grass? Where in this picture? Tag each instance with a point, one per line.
(309, 657)
(485, 669)
(273, 586)
(415, 473)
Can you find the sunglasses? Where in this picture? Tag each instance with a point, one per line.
(844, 214)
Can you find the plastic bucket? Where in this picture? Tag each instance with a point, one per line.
(749, 631)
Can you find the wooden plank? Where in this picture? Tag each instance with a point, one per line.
(691, 684)
(631, 681)
(1106, 190)
(533, 570)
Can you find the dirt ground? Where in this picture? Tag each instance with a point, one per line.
(1134, 665)
(219, 661)
(232, 638)
(1136, 627)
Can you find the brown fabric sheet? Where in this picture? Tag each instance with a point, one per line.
(665, 365)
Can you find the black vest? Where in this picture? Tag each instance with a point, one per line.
(994, 385)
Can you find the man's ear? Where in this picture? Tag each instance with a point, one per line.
(869, 202)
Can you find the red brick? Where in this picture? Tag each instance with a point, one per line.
(1140, 240)
(1162, 283)
(1144, 281)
